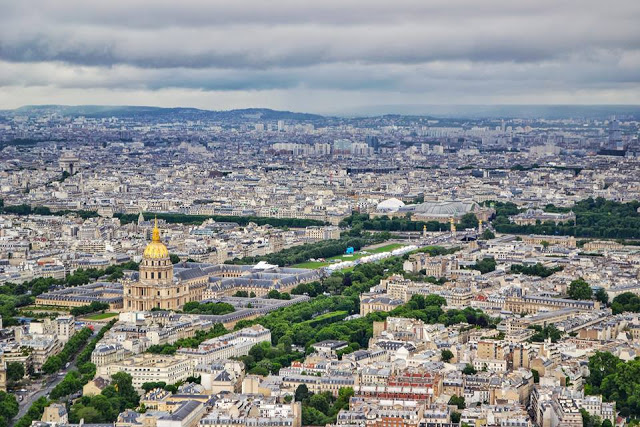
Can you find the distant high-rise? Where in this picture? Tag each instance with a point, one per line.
(373, 142)
(615, 135)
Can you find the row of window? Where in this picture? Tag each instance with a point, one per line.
(152, 275)
(157, 263)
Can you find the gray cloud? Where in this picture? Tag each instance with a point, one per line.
(436, 49)
(259, 46)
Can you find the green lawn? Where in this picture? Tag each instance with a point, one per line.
(102, 316)
(317, 264)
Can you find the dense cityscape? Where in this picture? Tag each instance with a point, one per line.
(337, 213)
(181, 267)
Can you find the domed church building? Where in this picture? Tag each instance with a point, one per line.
(156, 286)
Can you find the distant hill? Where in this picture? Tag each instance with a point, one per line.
(552, 112)
(454, 112)
(179, 113)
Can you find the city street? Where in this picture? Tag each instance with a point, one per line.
(48, 384)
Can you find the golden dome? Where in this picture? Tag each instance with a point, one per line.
(156, 249)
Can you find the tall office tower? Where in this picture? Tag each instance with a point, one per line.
(615, 135)
(373, 142)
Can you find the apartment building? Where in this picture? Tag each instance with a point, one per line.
(151, 368)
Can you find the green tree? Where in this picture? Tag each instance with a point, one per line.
(617, 381)
(455, 417)
(89, 414)
(259, 370)
(541, 334)
(534, 270)
(433, 300)
(273, 294)
(469, 369)
(418, 300)
(602, 296)
(33, 413)
(312, 417)
(87, 368)
(302, 393)
(320, 402)
(51, 365)
(468, 220)
(342, 402)
(485, 265)
(215, 308)
(195, 380)
(286, 342)
(601, 365)
(171, 388)
(15, 371)
(488, 234)
(580, 290)
(174, 258)
(122, 382)
(626, 301)
(90, 308)
(598, 218)
(446, 355)
(8, 407)
(457, 401)
(69, 385)
(589, 420)
(536, 376)
(148, 386)
(333, 285)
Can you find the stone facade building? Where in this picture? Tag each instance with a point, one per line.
(156, 286)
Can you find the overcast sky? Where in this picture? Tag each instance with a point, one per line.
(318, 56)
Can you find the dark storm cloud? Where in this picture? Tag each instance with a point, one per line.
(440, 48)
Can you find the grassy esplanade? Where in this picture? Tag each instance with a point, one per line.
(357, 255)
